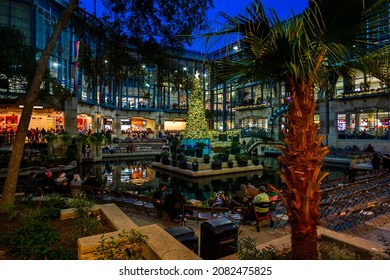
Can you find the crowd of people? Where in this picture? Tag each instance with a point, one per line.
(61, 183)
(244, 197)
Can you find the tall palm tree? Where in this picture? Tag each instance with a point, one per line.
(301, 52)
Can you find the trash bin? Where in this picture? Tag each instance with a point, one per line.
(186, 236)
(218, 238)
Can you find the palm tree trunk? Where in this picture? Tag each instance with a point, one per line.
(301, 163)
(8, 197)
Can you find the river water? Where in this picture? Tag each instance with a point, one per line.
(136, 174)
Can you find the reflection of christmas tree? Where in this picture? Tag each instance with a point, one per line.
(196, 127)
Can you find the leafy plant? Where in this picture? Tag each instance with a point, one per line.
(246, 250)
(125, 246)
(85, 222)
(55, 203)
(36, 239)
(332, 251)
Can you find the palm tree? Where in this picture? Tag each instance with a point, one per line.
(301, 52)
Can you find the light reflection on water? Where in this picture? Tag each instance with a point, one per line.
(136, 174)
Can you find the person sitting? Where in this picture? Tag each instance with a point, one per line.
(376, 162)
(174, 203)
(240, 197)
(219, 200)
(258, 200)
(48, 184)
(252, 192)
(352, 173)
(61, 183)
(159, 195)
(31, 184)
(273, 195)
(75, 185)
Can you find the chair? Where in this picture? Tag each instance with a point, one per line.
(205, 213)
(130, 199)
(220, 212)
(237, 214)
(190, 213)
(148, 204)
(262, 216)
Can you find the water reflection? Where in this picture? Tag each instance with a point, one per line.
(136, 174)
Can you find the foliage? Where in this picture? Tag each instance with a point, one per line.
(96, 137)
(246, 250)
(200, 145)
(55, 203)
(65, 136)
(81, 139)
(126, 246)
(50, 137)
(168, 22)
(36, 239)
(242, 157)
(331, 251)
(327, 40)
(197, 127)
(85, 222)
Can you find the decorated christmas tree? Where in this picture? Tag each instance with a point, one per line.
(196, 127)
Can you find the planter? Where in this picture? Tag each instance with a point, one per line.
(256, 162)
(230, 164)
(216, 166)
(182, 164)
(195, 167)
(235, 150)
(165, 161)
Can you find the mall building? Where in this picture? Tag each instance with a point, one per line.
(357, 113)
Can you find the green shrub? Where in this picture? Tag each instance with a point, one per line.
(246, 250)
(55, 203)
(332, 251)
(85, 221)
(36, 239)
(125, 246)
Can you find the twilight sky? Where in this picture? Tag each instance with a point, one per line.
(284, 9)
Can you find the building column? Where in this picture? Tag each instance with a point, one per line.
(117, 124)
(70, 115)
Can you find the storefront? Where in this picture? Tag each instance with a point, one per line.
(365, 124)
(84, 123)
(47, 119)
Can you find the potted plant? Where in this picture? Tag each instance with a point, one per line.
(216, 164)
(174, 160)
(174, 145)
(242, 160)
(255, 160)
(225, 154)
(195, 165)
(206, 158)
(235, 147)
(165, 158)
(199, 146)
(182, 164)
(230, 163)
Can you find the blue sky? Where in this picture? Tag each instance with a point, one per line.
(284, 9)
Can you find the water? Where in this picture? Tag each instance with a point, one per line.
(137, 175)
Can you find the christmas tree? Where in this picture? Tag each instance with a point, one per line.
(196, 127)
